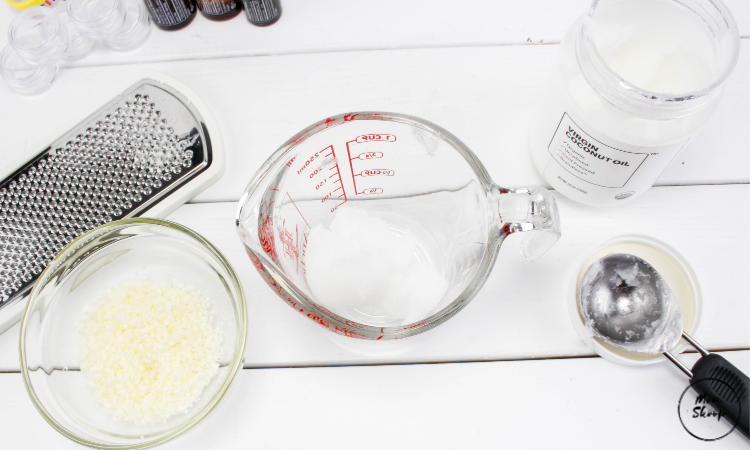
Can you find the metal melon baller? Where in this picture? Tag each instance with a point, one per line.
(148, 150)
(626, 303)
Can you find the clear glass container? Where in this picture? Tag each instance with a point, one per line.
(118, 252)
(419, 179)
(79, 45)
(38, 35)
(97, 19)
(627, 92)
(135, 30)
(23, 77)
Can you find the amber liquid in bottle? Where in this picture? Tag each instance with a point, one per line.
(171, 14)
(219, 9)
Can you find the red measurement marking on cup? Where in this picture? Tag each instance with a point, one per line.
(266, 236)
(289, 241)
(295, 207)
(326, 176)
(366, 156)
(339, 192)
(376, 173)
(265, 233)
(326, 152)
(290, 232)
(371, 191)
(337, 189)
(376, 138)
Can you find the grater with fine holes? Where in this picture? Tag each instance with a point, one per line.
(144, 153)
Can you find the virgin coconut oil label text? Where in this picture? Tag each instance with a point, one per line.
(589, 160)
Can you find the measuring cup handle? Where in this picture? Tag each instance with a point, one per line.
(533, 211)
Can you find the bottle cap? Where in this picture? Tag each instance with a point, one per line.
(23, 4)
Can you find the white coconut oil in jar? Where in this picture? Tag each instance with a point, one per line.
(634, 80)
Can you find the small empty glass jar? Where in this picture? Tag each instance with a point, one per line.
(38, 35)
(23, 77)
(134, 31)
(97, 19)
(79, 45)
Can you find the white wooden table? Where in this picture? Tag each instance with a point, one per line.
(509, 371)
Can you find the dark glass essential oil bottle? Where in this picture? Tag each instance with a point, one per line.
(262, 12)
(219, 9)
(171, 14)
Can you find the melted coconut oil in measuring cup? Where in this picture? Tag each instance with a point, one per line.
(384, 230)
(394, 261)
(372, 272)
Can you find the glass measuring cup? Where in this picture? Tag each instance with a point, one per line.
(415, 176)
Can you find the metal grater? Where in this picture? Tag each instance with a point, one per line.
(145, 152)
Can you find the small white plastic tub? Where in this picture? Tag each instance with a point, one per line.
(671, 266)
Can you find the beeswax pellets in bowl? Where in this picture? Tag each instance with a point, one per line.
(133, 334)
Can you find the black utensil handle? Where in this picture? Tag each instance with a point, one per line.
(725, 388)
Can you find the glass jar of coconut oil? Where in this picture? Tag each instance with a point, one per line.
(635, 79)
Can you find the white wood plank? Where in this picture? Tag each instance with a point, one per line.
(574, 403)
(521, 311)
(486, 96)
(340, 25)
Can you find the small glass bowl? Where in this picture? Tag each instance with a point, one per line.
(136, 29)
(107, 256)
(97, 19)
(23, 77)
(38, 35)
